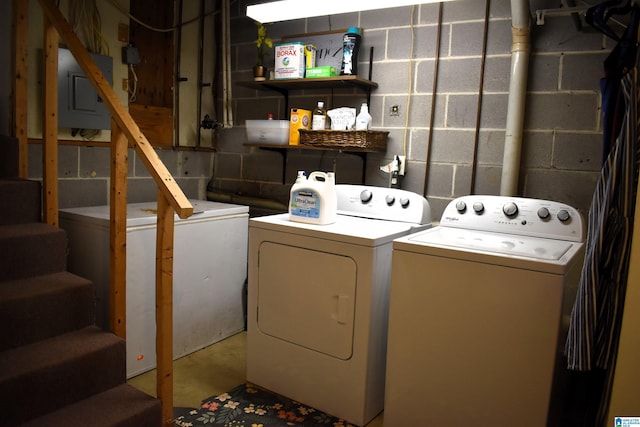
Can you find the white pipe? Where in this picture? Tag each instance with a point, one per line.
(520, 49)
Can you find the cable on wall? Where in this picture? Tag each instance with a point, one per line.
(85, 19)
(177, 17)
(472, 185)
(133, 90)
(436, 67)
(227, 104)
(200, 73)
(410, 88)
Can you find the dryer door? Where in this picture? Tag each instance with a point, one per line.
(307, 298)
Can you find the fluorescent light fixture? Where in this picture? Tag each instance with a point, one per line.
(285, 10)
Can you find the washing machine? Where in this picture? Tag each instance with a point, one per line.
(479, 309)
(318, 300)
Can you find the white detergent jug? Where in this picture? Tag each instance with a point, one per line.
(313, 200)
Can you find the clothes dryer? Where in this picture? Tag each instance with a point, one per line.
(318, 300)
(479, 309)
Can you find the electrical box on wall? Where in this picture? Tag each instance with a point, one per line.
(130, 55)
(79, 105)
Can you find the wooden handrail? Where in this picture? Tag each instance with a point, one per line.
(171, 199)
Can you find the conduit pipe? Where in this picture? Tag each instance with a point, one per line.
(227, 105)
(434, 90)
(520, 50)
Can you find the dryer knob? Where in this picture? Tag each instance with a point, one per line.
(390, 200)
(510, 209)
(404, 202)
(461, 207)
(543, 213)
(563, 215)
(365, 196)
(478, 207)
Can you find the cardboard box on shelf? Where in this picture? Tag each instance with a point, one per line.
(318, 72)
(290, 61)
(298, 119)
(309, 56)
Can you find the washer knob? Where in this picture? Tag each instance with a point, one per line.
(543, 213)
(478, 207)
(366, 196)
(461, 206)
(404, 202)
(510, 209)
(563, 215)
(390, 200)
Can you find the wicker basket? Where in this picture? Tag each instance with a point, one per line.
(371, 140)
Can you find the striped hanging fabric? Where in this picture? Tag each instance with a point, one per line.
(596, 318)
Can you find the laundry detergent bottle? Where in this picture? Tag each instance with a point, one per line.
(313, 200)
(350, 48)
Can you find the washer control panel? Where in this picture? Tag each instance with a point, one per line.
(515, 215)
(390, 204)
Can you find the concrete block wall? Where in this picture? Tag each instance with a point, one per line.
(84, 174)
(561, 153)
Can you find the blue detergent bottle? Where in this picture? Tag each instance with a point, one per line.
(350, 48)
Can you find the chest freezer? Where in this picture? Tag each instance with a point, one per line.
(209, 271)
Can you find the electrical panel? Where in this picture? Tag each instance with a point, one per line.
(79, 105)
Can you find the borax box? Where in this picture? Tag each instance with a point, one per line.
(289, 61)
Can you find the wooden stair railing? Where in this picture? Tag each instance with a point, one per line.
(171, 199)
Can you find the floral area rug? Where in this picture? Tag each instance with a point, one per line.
(251, 406)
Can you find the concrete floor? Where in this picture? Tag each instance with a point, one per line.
(210, 371)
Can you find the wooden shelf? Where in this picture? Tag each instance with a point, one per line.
(276, 147)
(284, 86)
(324, 82)
(283, 149)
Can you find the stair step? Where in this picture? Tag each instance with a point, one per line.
(122, 406)
(21, 201)
(45, 376)
(41, 307)
(33, 249)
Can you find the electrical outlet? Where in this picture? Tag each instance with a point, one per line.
(125, 85)
(395, 110)
(403, 160)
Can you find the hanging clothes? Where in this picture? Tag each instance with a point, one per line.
(621, 59)
(596, 318)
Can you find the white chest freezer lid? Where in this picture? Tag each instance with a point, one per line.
(139, 214)
(347, 229)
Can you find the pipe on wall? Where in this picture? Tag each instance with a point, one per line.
(227, 99)
(520, 50)
(434, 91)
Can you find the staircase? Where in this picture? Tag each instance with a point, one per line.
(57, 368)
